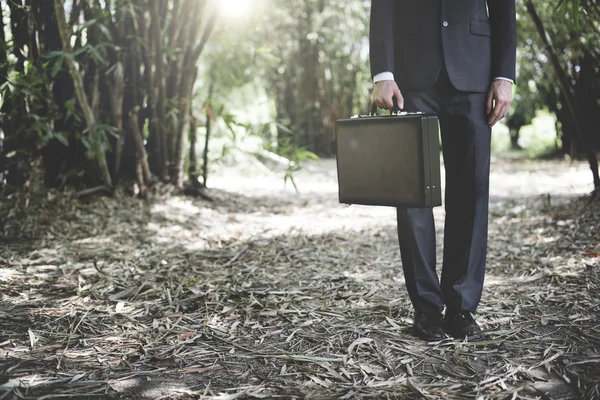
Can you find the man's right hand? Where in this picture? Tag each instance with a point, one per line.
(383, 95)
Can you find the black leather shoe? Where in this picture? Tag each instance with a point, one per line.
(428, 327)
(462, 325)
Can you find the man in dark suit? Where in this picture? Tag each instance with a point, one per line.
(455, 58)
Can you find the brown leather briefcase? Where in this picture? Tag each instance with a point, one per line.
(389, 160)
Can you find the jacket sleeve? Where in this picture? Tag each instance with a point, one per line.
(381, 37)
(503, 23)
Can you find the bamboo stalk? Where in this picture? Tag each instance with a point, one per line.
(117, 96)
(79, 91)
(73, 17)
(96, 91)
(140, 178)
(150, 60)
(139, 144)
(189, 72)
(193, 168)
(209, 117)
(159, 82)
(208, 31)
(3, 52)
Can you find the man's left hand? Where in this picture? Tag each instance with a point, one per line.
(499, 99)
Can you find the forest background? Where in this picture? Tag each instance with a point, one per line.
(100, 92)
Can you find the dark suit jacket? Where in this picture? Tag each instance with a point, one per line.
(414, 38)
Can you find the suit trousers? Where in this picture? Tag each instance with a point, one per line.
(466, 140)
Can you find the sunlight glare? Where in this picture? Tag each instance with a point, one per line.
(235, 8)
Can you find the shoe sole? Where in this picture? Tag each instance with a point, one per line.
(425, 338)
(474, 338)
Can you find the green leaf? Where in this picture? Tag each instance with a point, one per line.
(89, 23)
(284, 128)
(290, 177)
(82, 49)
(97, 56)
(105, 31)
(69, 56)
(53, 54)
(57, 66)
(86, 143)
(102, 129)
(230, 128)
(61, 138)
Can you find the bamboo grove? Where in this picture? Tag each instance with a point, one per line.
(107, 91)
(102, 88)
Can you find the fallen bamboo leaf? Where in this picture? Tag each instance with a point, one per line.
(393, 323)
(358, 342)
(294, 357)
(368, 369)
(126, 294)
(33, 339)
(270, 313)
(320, 381)
(549, 360)
(416, 389)
(119, 307)
(200, 370)
(591, 254)
(590, 361)
(186, 336)
(291, 336)
(268, 334)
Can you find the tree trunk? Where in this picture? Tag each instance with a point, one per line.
(80, 93)
(19, 22)
(209, 119)
(593, 161)
(117, 97)
(3, 78)
(558, 69)
(189, 72)
(3, 51)
(140, 179)
(56, 156)
(193, 169)
(160, 81)
(156, 94)
(187, 85)
(142, 156)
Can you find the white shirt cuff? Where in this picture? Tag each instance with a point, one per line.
(504, 79)
(383, 76)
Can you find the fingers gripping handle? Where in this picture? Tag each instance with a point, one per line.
(395, 109)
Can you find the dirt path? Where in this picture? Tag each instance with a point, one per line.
(269, 293)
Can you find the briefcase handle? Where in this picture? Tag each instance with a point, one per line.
(395, 110)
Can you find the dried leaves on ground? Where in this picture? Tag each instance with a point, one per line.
(268, 293)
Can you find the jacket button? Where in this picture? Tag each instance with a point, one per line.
(445, 23)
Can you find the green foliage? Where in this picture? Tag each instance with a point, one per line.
(97, 61)
(295, 50)
(30, 90)
(279, 76)
(578, 13)
(296, 157)
(539, 136)
(574, 30)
